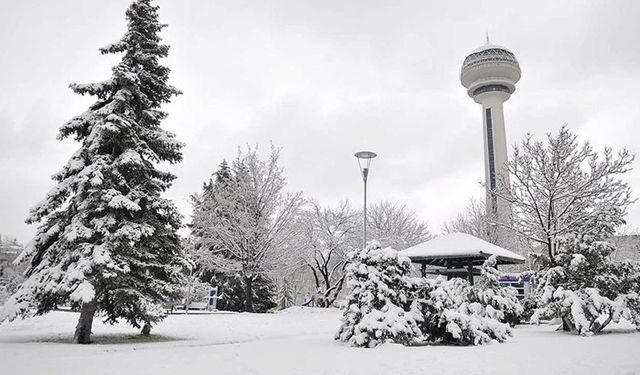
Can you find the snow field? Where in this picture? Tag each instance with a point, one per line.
(296, 341)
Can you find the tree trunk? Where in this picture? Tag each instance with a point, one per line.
(550, 251)
(146, 329)
(83, 329)
(598, 327)
(248, 294)
(567, 325)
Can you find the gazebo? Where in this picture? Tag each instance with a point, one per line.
(457, 255)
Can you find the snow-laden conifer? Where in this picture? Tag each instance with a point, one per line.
(586, 289)
(107, 241)
(501, 302)
(455, 312)
(377, 304)
(385, 304)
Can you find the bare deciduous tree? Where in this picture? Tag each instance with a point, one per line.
(328, 234)
(249, 227)
(473, 221)
(393, 224)
(559, 186)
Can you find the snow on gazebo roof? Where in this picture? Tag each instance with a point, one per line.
(459, 246)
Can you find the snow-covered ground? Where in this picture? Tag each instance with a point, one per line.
(297, 341)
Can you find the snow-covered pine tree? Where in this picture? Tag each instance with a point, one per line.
(203, 207)
(501, 302)
(456, 312)
(107, 241)
(386, 304)
(450, 312)
(585, 288)
(378, 300)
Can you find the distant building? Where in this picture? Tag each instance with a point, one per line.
(10, 248)
(627, 248)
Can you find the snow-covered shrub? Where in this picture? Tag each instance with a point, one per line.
(377, 303)
(529, 307)
(385, 304)
(455, 312)
(586, 289)
(503, 299)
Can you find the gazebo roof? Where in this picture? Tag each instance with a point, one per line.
(458, 249)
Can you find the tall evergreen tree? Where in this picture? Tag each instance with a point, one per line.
(107, 241)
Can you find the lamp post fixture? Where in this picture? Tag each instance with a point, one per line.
(364, 162)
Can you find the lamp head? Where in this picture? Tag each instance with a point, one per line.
(364, 162)
(365, 155)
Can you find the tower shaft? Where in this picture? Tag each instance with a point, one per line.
(495, 154)
(489, 74)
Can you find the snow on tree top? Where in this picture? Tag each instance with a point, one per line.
(460, 245)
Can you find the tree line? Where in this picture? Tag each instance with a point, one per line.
(246, 226)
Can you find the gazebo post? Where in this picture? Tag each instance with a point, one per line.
(470, 271)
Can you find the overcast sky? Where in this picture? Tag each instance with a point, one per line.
(323, 79)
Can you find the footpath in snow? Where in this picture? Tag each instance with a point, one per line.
(296, 341)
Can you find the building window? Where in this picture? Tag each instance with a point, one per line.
(490, 88)
(492, 162)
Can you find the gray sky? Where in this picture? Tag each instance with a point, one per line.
(324, 79)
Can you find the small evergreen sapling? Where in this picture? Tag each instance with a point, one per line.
(107, 241)
(377, 304)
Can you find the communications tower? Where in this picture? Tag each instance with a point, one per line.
(490, 74)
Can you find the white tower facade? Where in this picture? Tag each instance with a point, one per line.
(489, 74)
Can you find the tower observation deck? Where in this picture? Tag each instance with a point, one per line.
(490, 74)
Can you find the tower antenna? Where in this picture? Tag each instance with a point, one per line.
(487, 33)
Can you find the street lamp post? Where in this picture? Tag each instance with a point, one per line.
(364, 162)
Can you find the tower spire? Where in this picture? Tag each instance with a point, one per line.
(487, 34)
